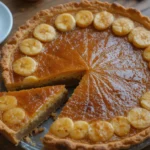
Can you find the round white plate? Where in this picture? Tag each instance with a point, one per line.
(6, 22)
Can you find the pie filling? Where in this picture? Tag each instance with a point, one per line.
(112, 99)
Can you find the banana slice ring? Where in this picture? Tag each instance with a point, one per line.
(103, 20)
(100, 131)
(30, 46)
(62, 127)
(44, 32)
(134, 32)
(80, 130)
(25, 66)
(30, 79)
(146, 54)
(14, 116)
(7, 102)
(84, 18)
(65, 22)
(145, 101)
(141, 39)
(122, 26)
(121, 125)
(139, 118)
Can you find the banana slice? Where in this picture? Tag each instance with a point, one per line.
(139, 118)
(141, 39)
(62, 127)
(65, 22)
(80, 130)
(7, 102)
(24, 66)
(145, 100)
(14, 116)
(84, 18)
(121, 125)
(133, 32)
(30, 79)
(100, 131)
(103, 20)
(44, 33)
(30, 46)
(146, 54)
(122, 26)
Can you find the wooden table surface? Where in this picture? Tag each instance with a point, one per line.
(23, 10)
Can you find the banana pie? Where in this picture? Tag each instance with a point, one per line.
(103, 47)
(22, 111)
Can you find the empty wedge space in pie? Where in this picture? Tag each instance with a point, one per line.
(102, 48)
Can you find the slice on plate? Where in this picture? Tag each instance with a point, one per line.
(22, 111)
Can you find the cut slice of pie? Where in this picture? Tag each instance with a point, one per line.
(22, 111)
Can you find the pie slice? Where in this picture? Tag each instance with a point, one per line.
(22, 111)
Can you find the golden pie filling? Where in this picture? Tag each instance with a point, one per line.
(112, 99)
(18, 109)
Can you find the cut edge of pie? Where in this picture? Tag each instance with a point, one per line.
(51, 105)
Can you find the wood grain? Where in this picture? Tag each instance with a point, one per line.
(23, 10)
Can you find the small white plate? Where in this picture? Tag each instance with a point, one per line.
(6, 22)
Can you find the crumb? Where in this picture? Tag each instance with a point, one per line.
(53, 115)
(38, 130)
(28, 140)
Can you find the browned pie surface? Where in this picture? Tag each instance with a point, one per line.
(117, 78)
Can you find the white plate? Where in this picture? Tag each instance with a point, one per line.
(6, 22)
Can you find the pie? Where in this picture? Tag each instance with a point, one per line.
(22, 111)
(103, 47)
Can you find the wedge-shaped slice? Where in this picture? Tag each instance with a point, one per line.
(24, 110)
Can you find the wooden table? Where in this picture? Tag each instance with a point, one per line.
(23, 10)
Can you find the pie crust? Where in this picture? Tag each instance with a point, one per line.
(8, 50)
